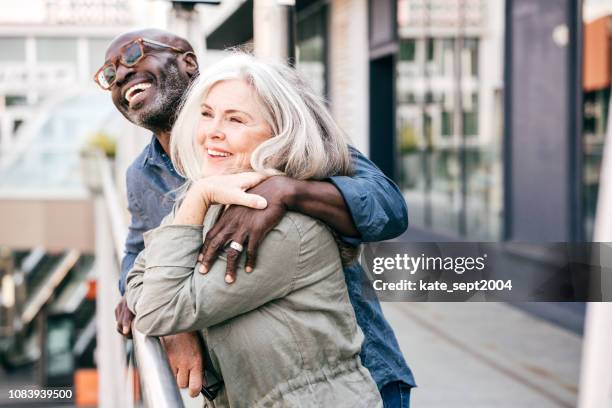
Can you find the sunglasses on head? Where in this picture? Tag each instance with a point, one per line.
(129, 55)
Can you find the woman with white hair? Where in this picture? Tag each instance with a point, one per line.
(285, 335)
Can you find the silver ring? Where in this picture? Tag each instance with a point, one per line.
(235, 245)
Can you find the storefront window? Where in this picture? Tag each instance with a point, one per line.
(311, 47)
(97, 50)
(597, 80)
(449, 134)
(13, 49)
(56, 50)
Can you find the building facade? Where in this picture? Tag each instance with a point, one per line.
(470, 116)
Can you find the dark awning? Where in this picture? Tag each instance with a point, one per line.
(237, 29)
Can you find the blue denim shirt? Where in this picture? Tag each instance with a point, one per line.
(374, 201)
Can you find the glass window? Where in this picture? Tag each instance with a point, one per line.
(97, 49)
(447, 123)
(470, 117)
(430, 49)
(596, 107)
(407, 50)
(470, 47)
(13, 49)
(597, 82)
(450, 172)
(311, 48)
(56, 50)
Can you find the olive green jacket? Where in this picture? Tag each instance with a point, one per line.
(284, 335)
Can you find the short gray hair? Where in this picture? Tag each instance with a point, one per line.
(306, 143)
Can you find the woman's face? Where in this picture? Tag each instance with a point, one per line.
(231, 127)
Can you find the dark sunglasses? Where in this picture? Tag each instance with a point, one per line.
(129, 55)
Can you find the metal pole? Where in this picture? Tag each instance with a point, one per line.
(596, 370)
(160, 389)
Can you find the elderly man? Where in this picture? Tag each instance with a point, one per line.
(147, 73)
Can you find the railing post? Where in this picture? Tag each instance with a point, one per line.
(158, 382)
(110, 351)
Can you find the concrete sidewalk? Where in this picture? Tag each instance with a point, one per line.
(486, 355)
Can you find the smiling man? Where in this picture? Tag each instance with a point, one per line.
(147, 73)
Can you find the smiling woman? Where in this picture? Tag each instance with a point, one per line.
(285, 334)
(261, 93)
(232, 125)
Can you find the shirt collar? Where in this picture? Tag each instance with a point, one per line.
(156, 156)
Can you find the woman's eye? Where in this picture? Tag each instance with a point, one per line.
(236, 120)
(207, 114)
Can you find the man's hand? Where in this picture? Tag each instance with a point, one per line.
(246, 226)
(124, 317)
(184, 353)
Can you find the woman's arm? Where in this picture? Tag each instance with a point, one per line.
(174, 297)
(227, 189)
(133, 282)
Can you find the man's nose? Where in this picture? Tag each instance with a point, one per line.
(122, 73)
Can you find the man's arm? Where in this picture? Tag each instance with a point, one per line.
(376, 204)
(183, 350)
(133, 245)
(365, 207)
(134, 242)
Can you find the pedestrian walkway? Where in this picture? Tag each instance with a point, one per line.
(486, 355)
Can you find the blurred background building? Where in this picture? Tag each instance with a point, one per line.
(490, 115)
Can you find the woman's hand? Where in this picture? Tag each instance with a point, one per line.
(223, 189)
(230, 189)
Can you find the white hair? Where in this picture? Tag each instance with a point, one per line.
(306, 142)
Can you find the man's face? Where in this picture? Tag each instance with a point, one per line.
(148, 93)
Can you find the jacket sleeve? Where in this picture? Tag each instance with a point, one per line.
(168, 294)
(133, 283)
(134, 242)
(375, 202)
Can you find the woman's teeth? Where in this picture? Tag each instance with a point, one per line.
(135, 90)
(217, 153)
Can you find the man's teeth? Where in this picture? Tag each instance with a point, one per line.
(216, 153)
(135, 89)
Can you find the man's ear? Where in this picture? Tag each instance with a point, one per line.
(190, 63)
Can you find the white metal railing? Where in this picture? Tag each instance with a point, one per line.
(596, 370)
(159, 388)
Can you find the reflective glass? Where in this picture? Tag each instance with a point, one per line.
(56, 50)
(597, 100)
(13, 49)
(107, 76)
(311, 46)
(449, 117)
(97, 51)
(131, 54)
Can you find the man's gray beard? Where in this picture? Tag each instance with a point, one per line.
(160, 113)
